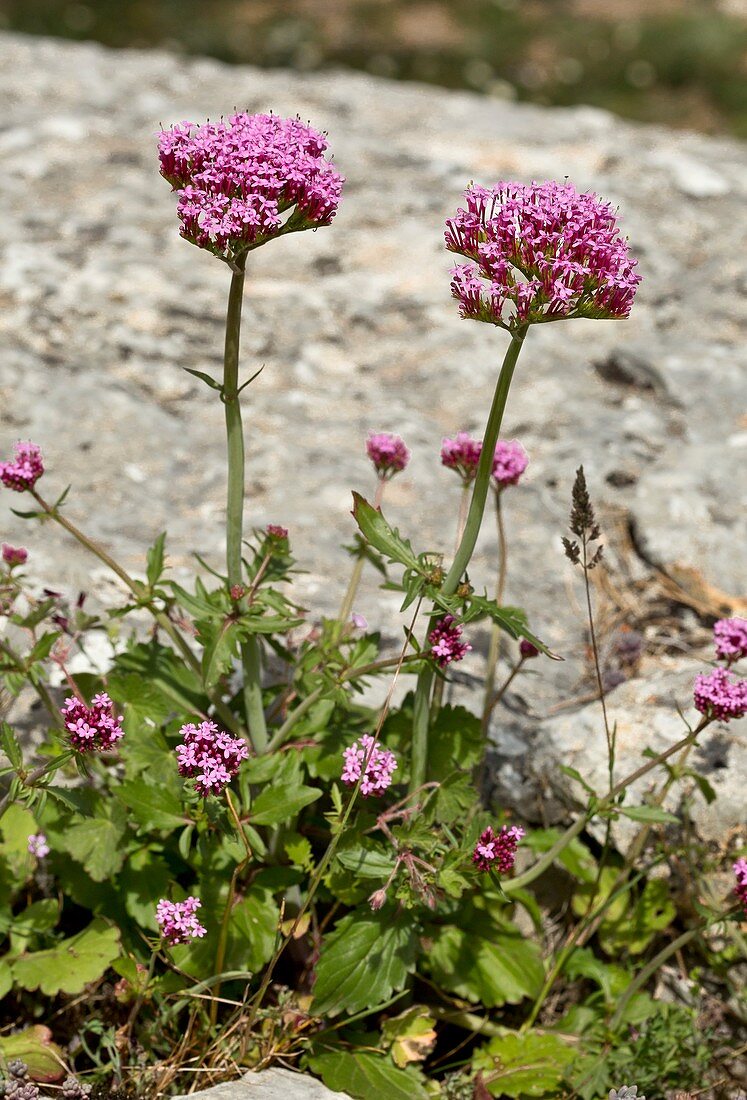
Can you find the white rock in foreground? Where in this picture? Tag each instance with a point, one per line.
(270, 1084)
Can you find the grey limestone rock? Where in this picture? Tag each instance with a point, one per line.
(269, 1084)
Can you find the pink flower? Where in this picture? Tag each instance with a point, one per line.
(25, 471)
(275, 531)
(388, 453)
(740, 889)
(461, 454)
(719, 695)
(244, 181)
(539, 252)
(497, 848)
(510, 462)
(178, 920)
(210, 756)
(379, 765)
(94, 728)
(37, 845)
(14, 555)
(527, 650)
(445, 644)
(730, 636)
(360, 622)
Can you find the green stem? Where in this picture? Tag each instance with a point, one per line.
(251, 657)
(421, 709)
(38, 687)
(139, 592)
(495, 632)
(346, 606)
(650, 968)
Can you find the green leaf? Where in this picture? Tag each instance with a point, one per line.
(72, 964)
(144, 879)
(500, 970)
(511, 619)
(206, 378)
(367, 862)
(34, 1046)
(221, 644)
(280, 804)
(649, 813)
(10, 745)
(409, 1036)
(6, 984)
(40, 916)
(387, 540)
(156, 557)
(253, 928)
(43, 647)
(97, 842)
(16, 826)
(524, 1065)
(365, 959)
(575, 774)
(154, 807)
(367, 1076)
(455, 740)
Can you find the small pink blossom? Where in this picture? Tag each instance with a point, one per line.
(510, 462)
(497, 849)
(37, 845)
(242, 181)
(379, 765)
(388, 454)
(730, 636)
(210, 756)
(719, 695)
(14, 555)
(740, 888)
(360, 622)
(24, 472)
(462, 454)
(178, 920)
(445, 644)
(527, 650)
(539, 252)
(94, 728)
(275, 531)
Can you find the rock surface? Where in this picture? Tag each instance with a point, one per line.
(270, 1084)
(102, 304)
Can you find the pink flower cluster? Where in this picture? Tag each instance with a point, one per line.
(539, 252)
(178, 920)
(510, 462)
(461, 454)
(730, 636)
(14, 555)
(740, 889)
(37, 845)
(24, 472)
(93, 728)
(276, 532)
(210, 756)
(497, 849)
(720, 695)
(377, 764)
(388, 453)
(236, 179)
(445, 644)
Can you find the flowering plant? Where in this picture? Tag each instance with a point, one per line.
(236, 855)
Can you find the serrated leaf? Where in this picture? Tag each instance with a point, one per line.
(500, 970)
(363, 961)
(154, 807)
(155, 560)
(387, 540)
(254, 928)
(70, 965)
(144, 879)
(40, 916)
(10, 745)
(16, 826)
(511, 619)
(97, 843)
(523, 1065)
(280, 804)
(367, 862)
(367, 1076)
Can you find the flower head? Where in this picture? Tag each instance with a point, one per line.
(388, 453)
(24, 472)
(377, 764)
(210, 756)
(178, 920)
(527, 650)
(539, 252)
(510, 462)
(626, 1092)
(360, 622)
(37, 845)
(94, 728)
(740, 887)
(730, 636)
(14, 555)
(242, 181)
(497, 849)
(462, 454)
(276, 532)
(719, 695)
(445, 644)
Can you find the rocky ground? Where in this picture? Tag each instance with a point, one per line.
(102, 304)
